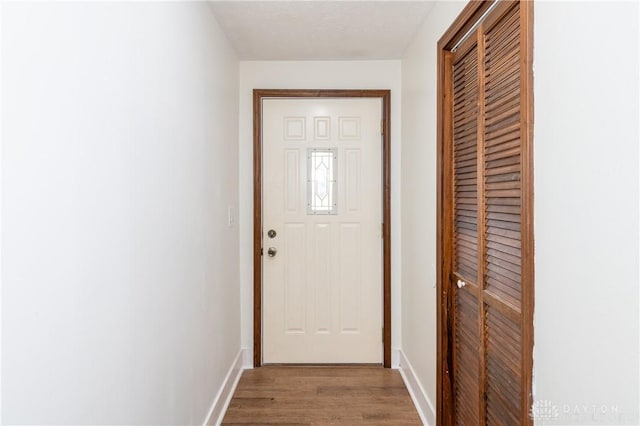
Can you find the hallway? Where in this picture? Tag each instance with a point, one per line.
(127, 206)
(321, 395)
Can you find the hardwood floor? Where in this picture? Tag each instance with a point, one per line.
(361, 395)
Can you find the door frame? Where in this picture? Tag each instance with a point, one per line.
(463, 25)
(385, 97)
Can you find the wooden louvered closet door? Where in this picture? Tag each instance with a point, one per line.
(489, 332)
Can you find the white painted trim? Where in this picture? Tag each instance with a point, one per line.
(247, 359)
(395, 358)
(222, 399)
(1, 124)
(417, 392)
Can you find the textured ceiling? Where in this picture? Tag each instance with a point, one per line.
(320, 30)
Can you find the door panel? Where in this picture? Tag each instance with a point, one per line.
(503, 211)
(502, 158)
(466, 362)
(489, 132)
(465, 158)
(466, 326)
(294, 295)
(503, 369)
(322, 291)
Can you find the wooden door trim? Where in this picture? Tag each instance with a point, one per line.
(466, 21)
(258, 96)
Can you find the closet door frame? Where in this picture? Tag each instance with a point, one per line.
(462, 27)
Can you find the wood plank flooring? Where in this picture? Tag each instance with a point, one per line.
(361, 395)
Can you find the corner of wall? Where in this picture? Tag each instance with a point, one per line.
(418, 224)
(395, 358)
(223, 398)
(424, 405)
(247, 358)
(1, 127)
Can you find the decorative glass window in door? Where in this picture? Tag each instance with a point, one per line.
(322, 165)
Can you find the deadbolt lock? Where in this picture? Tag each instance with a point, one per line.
(272, 233)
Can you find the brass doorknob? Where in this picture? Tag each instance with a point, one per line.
(272, 251)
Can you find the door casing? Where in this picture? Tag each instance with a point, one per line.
(385, 97)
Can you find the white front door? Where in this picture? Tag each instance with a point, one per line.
(322, 232)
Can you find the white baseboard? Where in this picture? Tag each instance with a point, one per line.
(222, 399)
(395, 359)
(247, 359)
(417, 392)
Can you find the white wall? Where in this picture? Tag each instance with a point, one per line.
(419, 83)
(586, 210)
(120, 297)
(586, 207)
(313, 75)
(1, 135)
